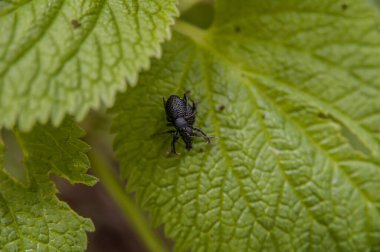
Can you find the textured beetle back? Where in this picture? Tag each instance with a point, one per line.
(181, 115)
(175, 107)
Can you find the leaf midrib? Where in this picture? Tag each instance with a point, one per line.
(27, 44)
(203, 39)
(207, 46)
(224, 152)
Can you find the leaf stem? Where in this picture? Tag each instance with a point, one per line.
(184, 5)
(131, 212)
(191, 31)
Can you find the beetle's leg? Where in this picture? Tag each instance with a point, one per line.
(206, 137)
(196, 134)
(175, 138)
(194, 106)
(191, 115)
(168, 131)
(186, 96)
(164, 132)
(170, 124)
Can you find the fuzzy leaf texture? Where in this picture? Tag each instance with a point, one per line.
(299, 83)
(32, 218)
(60, 56)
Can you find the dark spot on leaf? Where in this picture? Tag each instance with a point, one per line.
(201, 150)
(75, 23)
(323, 116)
(344, 6)
(221, 108)
(237, 29)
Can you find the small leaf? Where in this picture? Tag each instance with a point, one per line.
(58, 150)
(31, 216)
(281, 176)
(62, 57)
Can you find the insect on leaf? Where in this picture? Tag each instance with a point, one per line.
(290, 76)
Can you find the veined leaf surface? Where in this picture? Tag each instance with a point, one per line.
(60, 56)
(282, 176)
(31, 216)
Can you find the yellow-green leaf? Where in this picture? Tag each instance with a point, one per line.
(64, 57)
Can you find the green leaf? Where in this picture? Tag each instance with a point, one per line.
(281, 177)
(62, 57)
(326, 53)
(31, 216)
(58, 150)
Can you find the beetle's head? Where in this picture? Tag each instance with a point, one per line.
(180, 123)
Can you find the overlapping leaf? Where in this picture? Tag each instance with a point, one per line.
(289, 75)
(31, 216)
(61, 57)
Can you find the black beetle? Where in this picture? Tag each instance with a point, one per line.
(181, 115)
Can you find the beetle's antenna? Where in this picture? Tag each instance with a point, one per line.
(164, 101)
